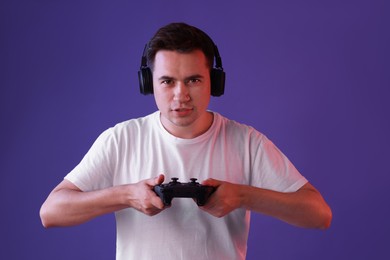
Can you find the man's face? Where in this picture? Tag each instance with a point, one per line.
(181, 85)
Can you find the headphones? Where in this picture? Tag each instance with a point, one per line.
(217, 75)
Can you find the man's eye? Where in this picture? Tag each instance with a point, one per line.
(194, 81)
(166, 82)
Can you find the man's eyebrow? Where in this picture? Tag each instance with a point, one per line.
(195, 76)
(165, 78)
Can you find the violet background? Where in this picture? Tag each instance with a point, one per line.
(311, 75)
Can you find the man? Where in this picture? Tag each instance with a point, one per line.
(185, 140)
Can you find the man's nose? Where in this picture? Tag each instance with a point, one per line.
(181, 92)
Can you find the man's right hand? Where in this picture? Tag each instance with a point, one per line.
(144, 199)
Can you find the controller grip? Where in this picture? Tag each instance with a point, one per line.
(164, 196)
(203, 197)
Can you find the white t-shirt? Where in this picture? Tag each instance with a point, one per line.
(141, 148)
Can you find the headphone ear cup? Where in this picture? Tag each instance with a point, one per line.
(145, 81)
(217, 77)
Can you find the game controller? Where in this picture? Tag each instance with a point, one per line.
(175, 189)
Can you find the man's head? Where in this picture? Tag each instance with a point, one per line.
(181, 38)
(177, 67)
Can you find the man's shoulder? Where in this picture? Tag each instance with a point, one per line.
(237, 129)
(137, 122)
(233, 124)
(134, 125)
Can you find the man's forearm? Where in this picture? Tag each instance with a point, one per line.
(303, 208)
(68, 207)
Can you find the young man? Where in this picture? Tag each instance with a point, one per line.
(185, 140)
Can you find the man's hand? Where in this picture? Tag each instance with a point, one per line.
(144, 199)
(225, 198)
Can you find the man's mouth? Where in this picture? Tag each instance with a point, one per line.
(182, 111)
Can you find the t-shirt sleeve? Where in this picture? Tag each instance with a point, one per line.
(96, 168)
(273, 170)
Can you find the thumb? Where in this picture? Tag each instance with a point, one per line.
(155, 181)
(212, 182)
(159, 179)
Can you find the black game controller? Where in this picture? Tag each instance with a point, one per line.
(175, 189)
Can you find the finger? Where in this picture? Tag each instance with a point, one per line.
(157, 202)
(159, 179)
(211, 182)
(155, 181)
(210, 209)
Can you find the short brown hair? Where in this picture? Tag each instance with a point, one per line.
(180, 37)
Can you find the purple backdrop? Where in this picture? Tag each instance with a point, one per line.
(312, 75)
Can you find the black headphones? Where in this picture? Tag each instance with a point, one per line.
(217, 75)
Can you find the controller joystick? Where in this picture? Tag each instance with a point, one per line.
(175, 189)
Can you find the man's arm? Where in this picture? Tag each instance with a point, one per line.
(67, 205)
(303, 208)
